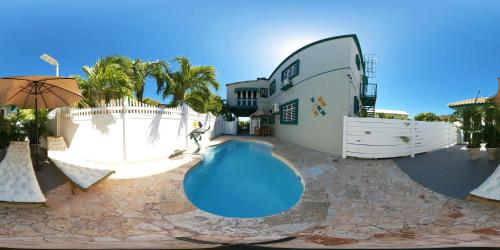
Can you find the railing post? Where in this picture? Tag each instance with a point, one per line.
(413, 135)
(344, 138)
(185, 113)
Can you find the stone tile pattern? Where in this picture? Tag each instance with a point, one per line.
(346, 203)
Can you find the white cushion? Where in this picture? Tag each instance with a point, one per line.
(18, 181)
(81, 172)
(490, 188)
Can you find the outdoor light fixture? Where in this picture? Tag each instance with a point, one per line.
(51, 61)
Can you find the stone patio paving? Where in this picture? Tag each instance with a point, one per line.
(347, 203)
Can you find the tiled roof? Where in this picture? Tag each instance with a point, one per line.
(479, 100)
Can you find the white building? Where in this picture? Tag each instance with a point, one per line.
(309, 93)
(5, 110)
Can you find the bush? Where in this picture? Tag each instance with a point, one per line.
(427, 116)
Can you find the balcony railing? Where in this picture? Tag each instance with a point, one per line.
(369, 90)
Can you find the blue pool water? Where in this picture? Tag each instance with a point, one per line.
(242, 179)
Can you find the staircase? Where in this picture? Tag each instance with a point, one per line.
(368, 97)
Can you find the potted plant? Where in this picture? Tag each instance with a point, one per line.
(472, 129)
(490, 130)
(29, 128)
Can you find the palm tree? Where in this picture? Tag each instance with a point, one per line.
(190, 85)
(108, 79)
(140, 70)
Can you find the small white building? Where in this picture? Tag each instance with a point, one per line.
(5, 110)
(309, 93)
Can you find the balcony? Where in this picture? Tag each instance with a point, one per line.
(368, 94)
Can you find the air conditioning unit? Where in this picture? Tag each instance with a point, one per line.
(276, 108)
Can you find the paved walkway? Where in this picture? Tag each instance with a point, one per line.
(347, 203)
(448, 171)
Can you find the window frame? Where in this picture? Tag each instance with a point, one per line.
(295, 115)
(294, 74)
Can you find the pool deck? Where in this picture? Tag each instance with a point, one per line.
(347, 203)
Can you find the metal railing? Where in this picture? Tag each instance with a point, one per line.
(369, 90)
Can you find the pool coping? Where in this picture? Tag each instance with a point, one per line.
(282, 216)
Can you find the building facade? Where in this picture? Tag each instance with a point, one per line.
(309, 93)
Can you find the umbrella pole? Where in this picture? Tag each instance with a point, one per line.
(36, 125)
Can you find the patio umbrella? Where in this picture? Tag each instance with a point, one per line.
(36, 92)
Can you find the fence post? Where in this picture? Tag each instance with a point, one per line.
(413, 137)
(124, 133)
(344, 138)
(185, 111)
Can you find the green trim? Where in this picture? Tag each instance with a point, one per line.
(296, 62)
(285, 87)
(272, 88)
(294, 122)
(353, 36)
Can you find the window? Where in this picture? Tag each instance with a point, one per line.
(290, 112)
(2, 113)
(290, 72)
(272, 87)
(271, 119)
(264, 92)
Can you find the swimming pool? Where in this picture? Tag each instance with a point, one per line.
(242, 179)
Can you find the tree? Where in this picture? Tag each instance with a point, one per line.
(427, 116)
(140, 70)
(108, 79)
(190, 85)
(151, 102)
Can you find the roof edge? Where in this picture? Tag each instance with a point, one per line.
(353, 36)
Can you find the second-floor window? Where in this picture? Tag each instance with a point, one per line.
(290, 72)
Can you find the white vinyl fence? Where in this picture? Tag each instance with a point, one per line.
(127, 130)
(223, 127)
(385, 138)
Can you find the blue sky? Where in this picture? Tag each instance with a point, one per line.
(430, 53)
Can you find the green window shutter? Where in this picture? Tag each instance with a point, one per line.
(358, 62)
(272, 87)
(356, 105)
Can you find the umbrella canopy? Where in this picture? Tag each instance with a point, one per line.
(48, 91)
(39, 92)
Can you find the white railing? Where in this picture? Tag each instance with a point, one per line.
(386, 138)
(128, 106)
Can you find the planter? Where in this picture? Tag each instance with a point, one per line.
(473, 153)
(492, 153)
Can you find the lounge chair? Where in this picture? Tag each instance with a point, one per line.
(81, 174)
(18, 183)
(490, 188)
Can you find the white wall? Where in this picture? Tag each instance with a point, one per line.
(131, 132)
(386, 138)
(323, 71)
